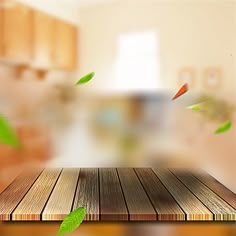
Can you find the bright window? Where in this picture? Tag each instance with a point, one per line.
(137, 67)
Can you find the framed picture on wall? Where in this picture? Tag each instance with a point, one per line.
(186, 75)
(212, 77)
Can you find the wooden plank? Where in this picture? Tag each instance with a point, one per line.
(87, 193)
(222, 211)
(166, 207)
(112, 203)
(138, 203)
(215, 186)
(60, 202)
(194, 209)
(13, 194)
(32, 204)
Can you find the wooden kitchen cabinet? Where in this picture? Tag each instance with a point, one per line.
(31, 37)
(65, 46)
(17, 35)
(1, 27)
(54, 43)
(43, 40)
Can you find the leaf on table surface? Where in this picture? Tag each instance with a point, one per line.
(223, 128)
(7, 134)
(85, 78)
(72, 221)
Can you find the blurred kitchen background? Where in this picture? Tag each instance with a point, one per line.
(142, 52)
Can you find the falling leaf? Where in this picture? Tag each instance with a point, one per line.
(72, 221)
(86, 78)
(197, 107)
(223, 128)
(7, 134)
(182, 90)
(194, 108)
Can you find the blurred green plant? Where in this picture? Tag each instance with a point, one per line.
(128, 142)
(215, 110)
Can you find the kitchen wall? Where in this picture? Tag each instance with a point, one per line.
(195, 33)
(8, 68)
(29, 76)
(24, 100)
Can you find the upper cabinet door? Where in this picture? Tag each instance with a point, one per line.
(17, 35)
(1, 28)
(43, 33)
(65, 47)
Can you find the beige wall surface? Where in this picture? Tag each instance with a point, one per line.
(195, 33)
(192, 33)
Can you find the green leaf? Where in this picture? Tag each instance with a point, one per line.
(86, 78)
(72, 221)
(7, 134)
(223, 128)
(194, 108)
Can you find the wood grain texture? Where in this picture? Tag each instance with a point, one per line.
(166, 207)
(17, 37)
(194, 209)
(32, 204)
(13, 194)
(60, 202)
(1, 30)
(222, 210)
(215, 186)
(138, 203)
(112, 203)
(43, 34)
(65, 45)
(87, 193)
(123, 194)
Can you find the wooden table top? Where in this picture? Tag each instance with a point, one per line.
(123, 194)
